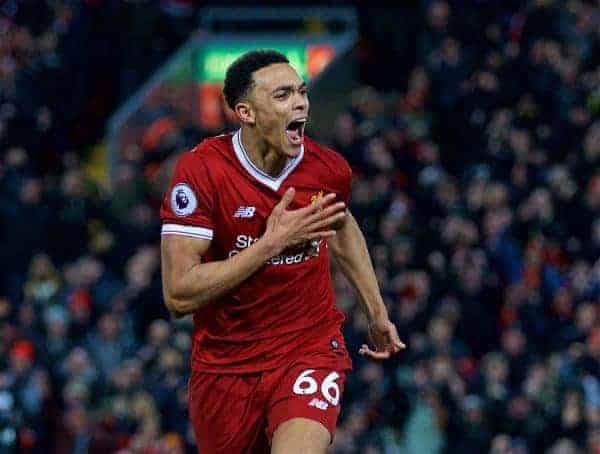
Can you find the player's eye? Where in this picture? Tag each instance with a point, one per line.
(282, 95)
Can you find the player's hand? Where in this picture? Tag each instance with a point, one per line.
(384, 337)
(287, 228)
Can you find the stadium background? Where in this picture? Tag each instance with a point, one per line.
(472, 129)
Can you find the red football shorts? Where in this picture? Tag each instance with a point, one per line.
(239, 413)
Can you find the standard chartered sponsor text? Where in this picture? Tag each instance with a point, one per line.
(244, 241)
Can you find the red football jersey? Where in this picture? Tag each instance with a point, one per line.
(217, 193)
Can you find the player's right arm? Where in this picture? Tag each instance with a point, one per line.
(189, 284)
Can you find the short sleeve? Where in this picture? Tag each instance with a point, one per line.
(187, 207)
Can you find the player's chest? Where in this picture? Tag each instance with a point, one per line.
(243, 208)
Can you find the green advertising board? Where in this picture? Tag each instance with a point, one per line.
(214, 58)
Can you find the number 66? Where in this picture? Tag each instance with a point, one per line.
(305, 384)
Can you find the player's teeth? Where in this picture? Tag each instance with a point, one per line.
(295, 124)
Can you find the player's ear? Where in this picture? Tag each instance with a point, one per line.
(245, 112)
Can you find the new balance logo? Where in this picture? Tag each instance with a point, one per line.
(318, 403)
(244, 212)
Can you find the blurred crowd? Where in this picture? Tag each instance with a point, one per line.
(477, 185)
(88, 359)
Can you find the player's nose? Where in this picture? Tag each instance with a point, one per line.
(300, 103)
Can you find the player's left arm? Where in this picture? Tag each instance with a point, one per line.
(350, 251)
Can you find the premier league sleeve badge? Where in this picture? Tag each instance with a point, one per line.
(183, 200)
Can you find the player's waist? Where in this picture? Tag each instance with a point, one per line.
(250, 317)
(223, 354)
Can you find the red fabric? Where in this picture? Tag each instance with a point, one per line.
(288, 404)
(240, 413)
(290, 299)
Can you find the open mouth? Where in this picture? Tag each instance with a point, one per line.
(295, 131)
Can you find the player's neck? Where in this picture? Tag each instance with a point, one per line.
(264, 157)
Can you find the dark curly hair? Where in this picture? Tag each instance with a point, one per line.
(238, 78)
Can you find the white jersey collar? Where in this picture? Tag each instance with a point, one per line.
(272, 182)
